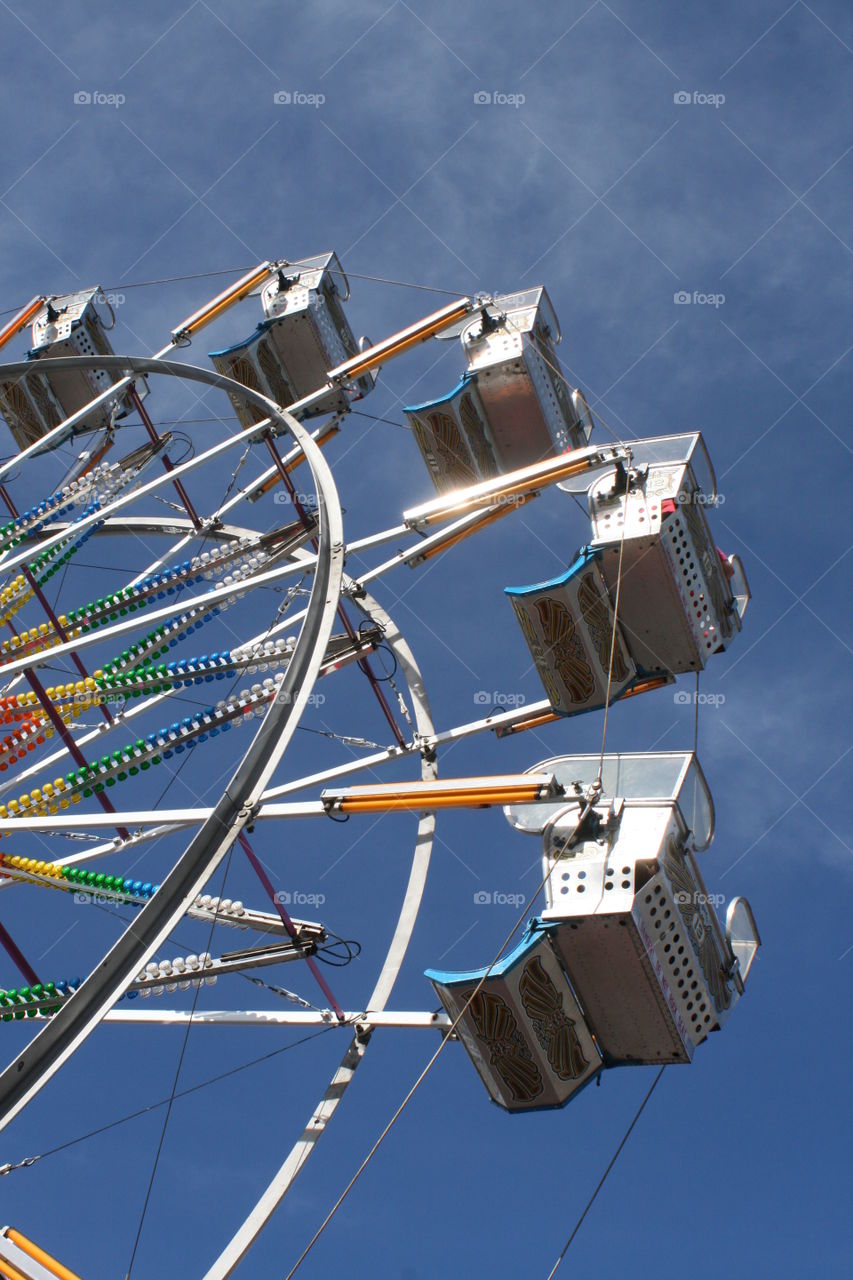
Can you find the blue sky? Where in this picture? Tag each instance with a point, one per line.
(604, 186)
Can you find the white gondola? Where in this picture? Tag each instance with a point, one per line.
(681, 600)
(303, 335)
(66, 325)
(629, 963)
(513, 406)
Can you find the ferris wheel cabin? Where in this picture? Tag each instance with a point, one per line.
(628, 964)
(681, 600)
(303, 335)
(66, 325)
(513, 406)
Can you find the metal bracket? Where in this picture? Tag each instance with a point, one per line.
(426, 747)
(249, 810)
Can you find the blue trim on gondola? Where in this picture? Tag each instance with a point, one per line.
(467, 379)
(254, 336)
(585, 557)
(534, 933)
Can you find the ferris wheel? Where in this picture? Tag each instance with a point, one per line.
(627, 964)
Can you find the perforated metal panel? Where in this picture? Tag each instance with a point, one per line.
(652, 973)
(616, 984)
(676, 604)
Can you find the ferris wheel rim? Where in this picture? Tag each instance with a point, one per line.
(70, 1026)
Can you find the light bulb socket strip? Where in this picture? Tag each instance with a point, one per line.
(248, 557)
(243, 562)
(267, 655)
(16, 706)
(96, 886)
(158, 977)
(41, 998)
(139, 756)
(100, 479)
(19, 591)
(161, 639)
(24, 586)
(35, 519)
(129, 760)
(16, 745)
(45, 636)
(185, 672)
(73, 698)
(57, 875)
(178, 974)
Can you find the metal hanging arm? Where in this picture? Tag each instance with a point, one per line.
(21, 1258)
(213, 309)
(21, 320)
(402, 341)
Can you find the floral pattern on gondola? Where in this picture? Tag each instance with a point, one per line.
(478, 443)
(270, 367)
(599, 620)
(565, 648)
(444, 450)
(555, 1031)
(16, 406)
(509, 1055)
(242, 370)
